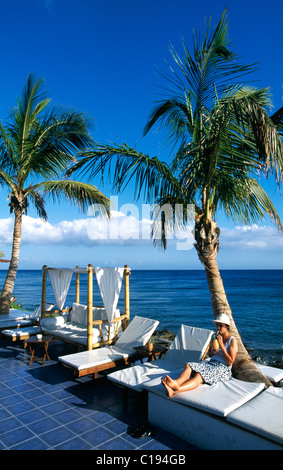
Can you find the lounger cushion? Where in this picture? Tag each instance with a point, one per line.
(95, 357)
(272, 373)
(134, 377)
(7, 324)
(79, 314)
(53, 322)
(15, 314)
(22, 333)
(189, 344)
(137, 333)
(19, 315)
(75, 333)
(99, 313)
(219, 399)
(263, 414)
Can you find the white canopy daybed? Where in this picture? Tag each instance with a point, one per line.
(86, 325)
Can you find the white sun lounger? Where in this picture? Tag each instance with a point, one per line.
(231, 415)
(137, 333)
(22, 329)
(9, 324)
(214, 417)
(15, 314)
(21, 334)
(190, 344)
(15, 319)
(263, 415)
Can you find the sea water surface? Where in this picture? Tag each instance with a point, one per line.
(176, 297)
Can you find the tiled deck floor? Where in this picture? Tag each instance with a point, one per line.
(43, 407)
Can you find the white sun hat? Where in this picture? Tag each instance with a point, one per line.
(222, 318)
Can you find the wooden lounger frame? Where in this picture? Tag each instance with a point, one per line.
(124, 318)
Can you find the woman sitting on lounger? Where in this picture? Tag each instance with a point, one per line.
(215, 369)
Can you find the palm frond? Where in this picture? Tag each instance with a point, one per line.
(149, 173)
(277, 119)
(43, 140)
(261, 130)
(177, 117)
(38, 202)
(212, 65)
(7, 151)
(262, 198)
(81, 194)
(7, 180)
(245, 201)
(170, 214)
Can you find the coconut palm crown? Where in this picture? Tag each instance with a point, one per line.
(37, 145)
(223, 139)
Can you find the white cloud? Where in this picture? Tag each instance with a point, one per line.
(129, 230)
(6, 231)
(120, 229)
(252, 237)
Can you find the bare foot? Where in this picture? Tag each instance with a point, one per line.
(169, 390)
(172, 383)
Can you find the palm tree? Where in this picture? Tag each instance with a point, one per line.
(36, 148)
(223, 139)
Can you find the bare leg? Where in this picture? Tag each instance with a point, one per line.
(190, 384)
(194, 382)
(183, 377)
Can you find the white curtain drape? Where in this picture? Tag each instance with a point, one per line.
(109, 281)
(60, 282)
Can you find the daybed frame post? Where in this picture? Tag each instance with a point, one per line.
(89, 306)
(43, 290)
(127, 295)
(77, 287)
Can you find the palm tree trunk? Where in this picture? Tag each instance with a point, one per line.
(243, 368)
(8, 288)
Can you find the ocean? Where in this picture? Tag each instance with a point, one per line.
(176, 297)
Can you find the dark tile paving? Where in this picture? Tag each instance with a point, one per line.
(44, 408)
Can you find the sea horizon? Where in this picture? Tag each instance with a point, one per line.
(154, 269)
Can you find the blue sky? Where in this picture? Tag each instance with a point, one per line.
(102, 58)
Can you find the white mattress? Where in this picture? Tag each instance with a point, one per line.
(272, 373)
(263, 414)
(96, 357)
(137, 333)
(189, 345)
(7, 324)
(77, 334)
(19, 332)
(134, 377)
(219, 399)
(15, 314)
